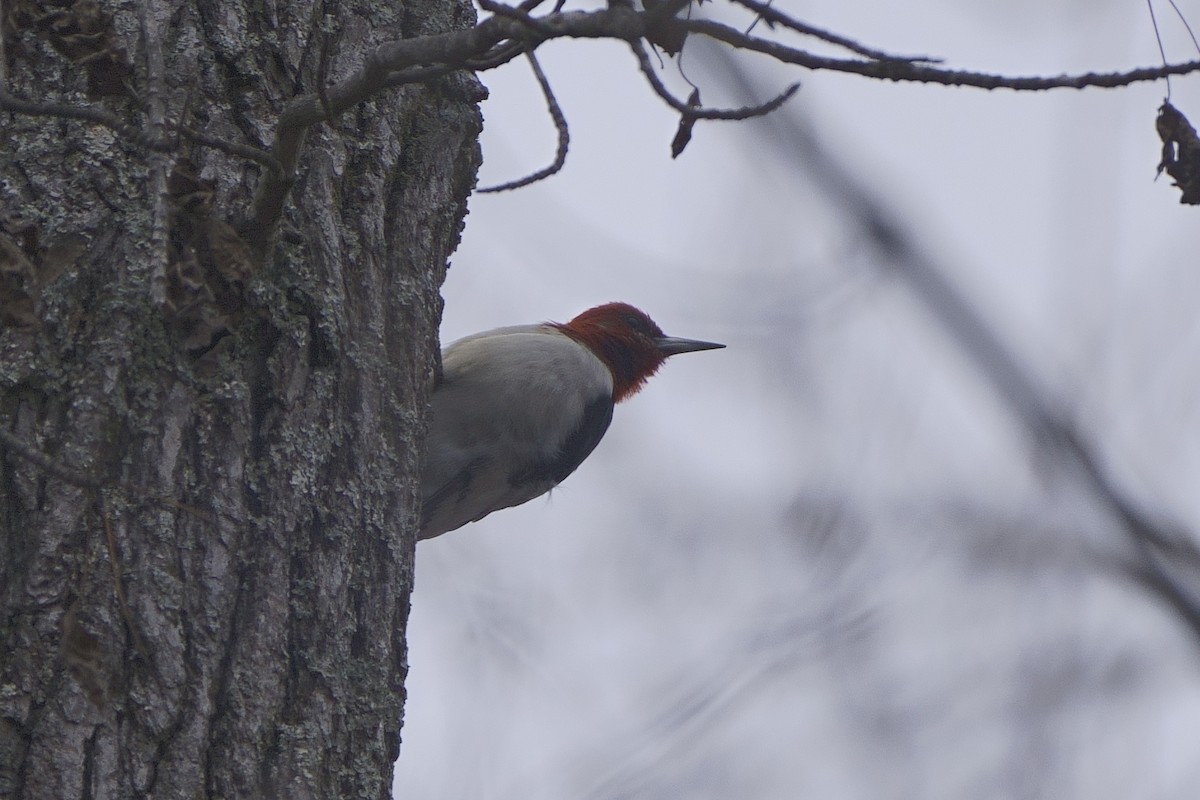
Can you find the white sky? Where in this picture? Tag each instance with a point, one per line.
(824, 562)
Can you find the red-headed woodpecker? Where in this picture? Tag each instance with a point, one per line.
(518, 409)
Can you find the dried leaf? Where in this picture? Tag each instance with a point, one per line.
(1180, 152)
(683, 134)
(669, 33)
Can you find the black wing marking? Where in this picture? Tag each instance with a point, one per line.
(453, 491)
(578, 446)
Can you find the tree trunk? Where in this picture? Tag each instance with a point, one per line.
(205, 594)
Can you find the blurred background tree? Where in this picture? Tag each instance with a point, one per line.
(923, 531)
(837, 561)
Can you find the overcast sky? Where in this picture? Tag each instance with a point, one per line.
(826, 562)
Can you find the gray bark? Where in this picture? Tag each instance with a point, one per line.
(259, 495)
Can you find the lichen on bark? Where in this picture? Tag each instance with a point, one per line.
(258, 496)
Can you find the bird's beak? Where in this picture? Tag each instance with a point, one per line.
(671, 345)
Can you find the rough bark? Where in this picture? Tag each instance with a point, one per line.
(258, 495)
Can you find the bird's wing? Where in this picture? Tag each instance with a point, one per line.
(517, 411)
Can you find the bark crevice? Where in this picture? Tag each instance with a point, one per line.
(259, 495)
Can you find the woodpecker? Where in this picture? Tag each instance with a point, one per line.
(518, 409)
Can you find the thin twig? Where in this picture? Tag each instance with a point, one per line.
(1186, 25)
(754, 23)
(518, 14)
(48, 465)
(1158, 38)
(770, 14)
(465, 48)
(496, 57)
(97, 116)
(128, 133)
(922, 73)
(694, 112)
(232, 148)
(560, 123)
(416, 75)
(679, 66)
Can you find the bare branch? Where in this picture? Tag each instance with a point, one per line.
(517, 14)
(560, 123)
(774, 16)
(97, 116)
(496, 57)
(510, 30)
(893, 70)
(48, 465)
(232, 148)
(452, 48)
(416, 75)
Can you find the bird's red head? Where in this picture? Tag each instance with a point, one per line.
(628, 342)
